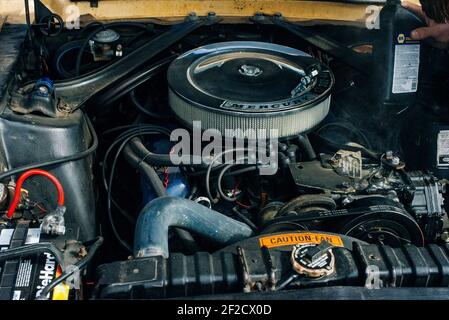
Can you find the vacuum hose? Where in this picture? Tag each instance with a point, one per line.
(151, 237)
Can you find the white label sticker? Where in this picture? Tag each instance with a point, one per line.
(406, 68)
(33, 236)
(16, 295)
(6, 236)
(23, 276)
(443, 148)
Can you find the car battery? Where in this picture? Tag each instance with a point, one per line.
(23, 278)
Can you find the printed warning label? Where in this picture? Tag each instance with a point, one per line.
(406, 68)
(443, 148)
(24, 273)
(290, 239)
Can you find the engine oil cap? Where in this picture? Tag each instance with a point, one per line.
(313, 260)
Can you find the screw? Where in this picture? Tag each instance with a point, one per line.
(445, 236)
(43, 89)
(192, 16)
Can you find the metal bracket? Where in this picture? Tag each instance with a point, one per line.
(75, 92)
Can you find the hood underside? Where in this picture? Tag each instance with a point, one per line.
(300, 10)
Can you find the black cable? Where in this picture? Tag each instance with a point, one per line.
(203, 172)
(245, 219)
(240, 171)
(220, 190)
(79, 266)
(136, 126)
(124, 139)
(349, 127)
(144, 110)
(141, 130)
(365, 151)
(59, 55)
(32, 249)
(224, 172)
(46, 164)
(28, 19)
(209, 170)
(284, 283)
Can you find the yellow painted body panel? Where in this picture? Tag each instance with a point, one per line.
(169, 9)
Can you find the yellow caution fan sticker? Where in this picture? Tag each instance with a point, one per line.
(291, 239)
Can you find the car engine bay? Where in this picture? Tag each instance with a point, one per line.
(349, 189)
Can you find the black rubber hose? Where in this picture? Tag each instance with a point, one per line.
(148, 171)
(79, 266)
(51, 163)
(60, 53)
(306, 146)
(143, 153)
(152, 177)
(151, 235)
(163, 160)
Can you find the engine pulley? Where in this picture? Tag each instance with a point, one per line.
(387, 227)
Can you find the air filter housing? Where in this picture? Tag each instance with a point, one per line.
(249, 85)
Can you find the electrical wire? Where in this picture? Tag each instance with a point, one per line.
(109, 190)
(347, 126)
(244, 219)
(21, 180)
(284, 283)
(79, 266)
(124, 127)
(240, 171)
(220, 190)
(123, 140)
(33, 249)
(209, 169)
(51, 163)
(133, 132)
(144, 109)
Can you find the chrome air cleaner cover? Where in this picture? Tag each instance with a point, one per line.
(249, 85)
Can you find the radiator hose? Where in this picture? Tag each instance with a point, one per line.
(155, 219)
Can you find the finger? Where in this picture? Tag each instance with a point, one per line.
(426, 32)
(417, 9)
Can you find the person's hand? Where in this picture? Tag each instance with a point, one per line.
(438, 32)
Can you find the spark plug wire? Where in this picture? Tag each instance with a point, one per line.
(21, 180)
